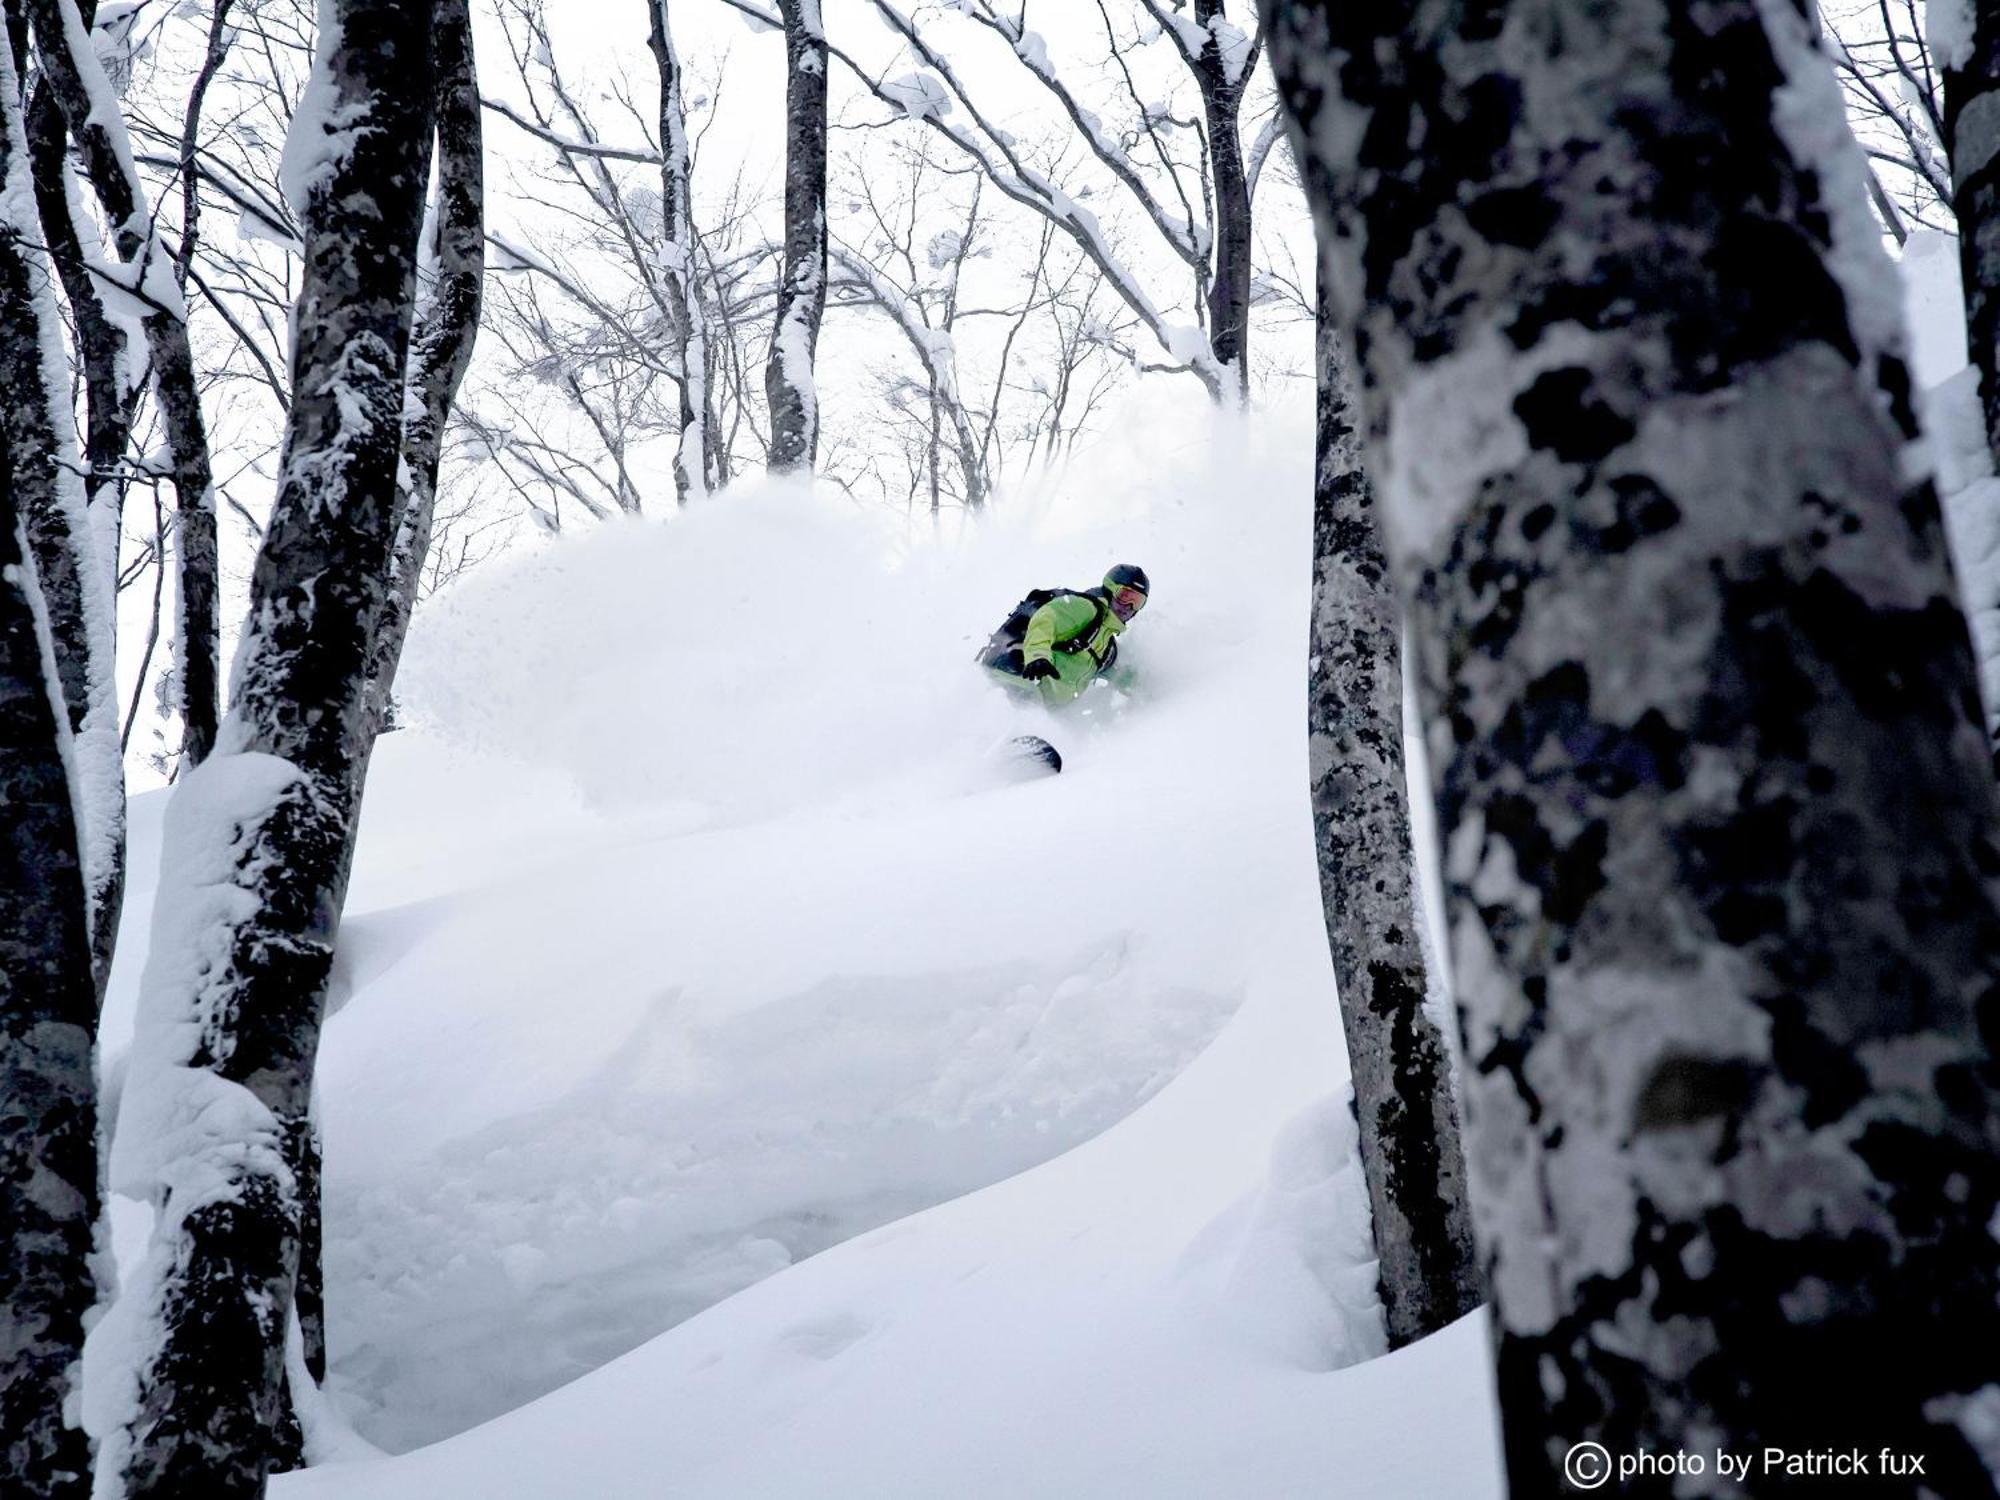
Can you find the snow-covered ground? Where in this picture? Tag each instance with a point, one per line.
(737, 1086)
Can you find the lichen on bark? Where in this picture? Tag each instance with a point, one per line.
(1719, 826)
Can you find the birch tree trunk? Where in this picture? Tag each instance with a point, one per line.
(694, 470)
(441, 345)
(85, 658)
(74, 75)
(1222, 72)
(441, 341)
(48, 1012)
(257, 838)
(1719, 826)
(788, 378)
(1410, 1152)
(1972, 141)
(48, 999)
(100, 342)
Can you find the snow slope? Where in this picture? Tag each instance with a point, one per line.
(715, 1025)
(736, 1089)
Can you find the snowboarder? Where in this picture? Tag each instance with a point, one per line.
(1059, 641)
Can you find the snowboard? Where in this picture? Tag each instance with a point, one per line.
(1032, 755)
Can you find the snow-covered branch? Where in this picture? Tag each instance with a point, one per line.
(569, 145)
(994, 152)
(1187, 240)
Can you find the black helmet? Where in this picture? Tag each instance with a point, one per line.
(1128, 576)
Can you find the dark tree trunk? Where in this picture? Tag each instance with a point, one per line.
(74, 76)
(1719, 826)
(107, 432)
(101, 343)
(680, 260)
(788, 378)
(270, 812)
(304, 1157)
(220, 34)
(440, 350)
(441, 344)
(1972, 140)
(48, 1012)
(1410, 1151)
(77, 580)
(48, 999)
(1222, 80)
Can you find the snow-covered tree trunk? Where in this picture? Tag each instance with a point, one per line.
(74, 74)
(694, 467)
(1966, 34)
(256, 844)
(85, 662)
(441, 339)
(971, 471)
(788, 378)
(441, 344)
(1719, 826)
(48, 1013)
(102, 352)
(100, 341)
(1222, 72)
(1966, 39)
(936, 349)
(1410, 1153)
(48, 998)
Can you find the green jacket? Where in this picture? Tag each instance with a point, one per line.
(1067, 620)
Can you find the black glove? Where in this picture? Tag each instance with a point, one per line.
(1039, 668)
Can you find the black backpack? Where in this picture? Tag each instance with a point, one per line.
(1006, 641)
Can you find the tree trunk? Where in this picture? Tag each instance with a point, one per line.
(1410, 1151)
(1972, 140)
(76, 78)
(788, 378)
(1221, 82)
(1720, 830)
(48, 999)
(680, 261)
(440, 351)
(85, 654)
(100, 342)
(932, 435)
(257, 838)
(219, 37)
(971, 472)
(441, 345)
(85, 658)
(48, 1104)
